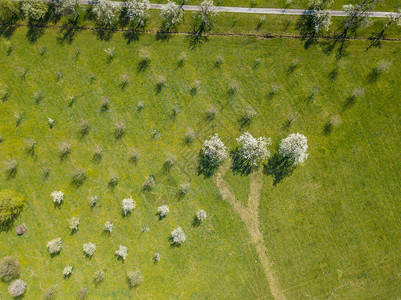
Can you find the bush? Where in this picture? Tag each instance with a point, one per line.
(149, 184)
(162, 211)
(210, 113)
(58, 197)
(189, 136)
(108, 227)
(105, 103)
(9, 12)
(64, 150)
(200, 215)
(219, 61)
(17, 288)
(93, 200)
(74, 223)
(97, 154)
(11, 205)
(178, 236)
(128, 205)
(34, 10)
(134, 155)
(134, 278)
(183, 190)
(9, 268)
(122, 252)
(119, 130)
(54, 246)
(78, 178)
(168, 164)
(67, 271)
(113, 182)
(89, 249)
(99, 277)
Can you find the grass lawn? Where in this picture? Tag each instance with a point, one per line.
(331, 228)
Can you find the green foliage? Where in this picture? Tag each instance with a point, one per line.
(11, 205)
(9, 268)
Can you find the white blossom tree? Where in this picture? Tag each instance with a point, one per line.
(34, 10)
(58, 197)
(212, 155)
(128, 205)
(250, 153)
(294, 148)
(200, 215)
(108, 227)
(67, 8)
(163, 210)
(122, 252)
(106, 12)
(137, 12)
(89, 248)
(171, 15)
(134, 278)
(74, 223)
(17, 288)
(54, 246)
(67, 271)
(178, 236)
(204, 18)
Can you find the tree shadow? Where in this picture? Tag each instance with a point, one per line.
(196, 222)
(279, 167)
(143, 65)
(196, 38)
(306, 28)
(35, 31)
(349, 102)
(333, 75)
(206, 167)
(240, 165)
(163, 35)
(7, 30)
(374, 75)
(67, 33)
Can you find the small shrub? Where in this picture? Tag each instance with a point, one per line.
(247, 117)
(145, 228)
(140, 106)
(71, 100)
(51, 122)
(122, 252)
(54, 246)
(83, 127)
(89, 249)
(149, 184)
(156, 257)
(210, 113)
(119, 130)
(17, 288)
(134, 155)
(183, 190)
(49, 294)
(261, 21)
(108, 227)
(168, 164)
(67, 271)
(99, 277)
(181, 59)
(189, 136)
(134, 278)
(124, 81)
(64, 150)
(195, 87)
(128, 205)
(23, 72)
(200, 215)
(58, 197)
(83, 294)
(112, 182)
(233, 89)
(11, 205)
(78, 178)
(9, 268)
(18, 118)
(37, 97)
(92, 77)
(218, 61)
(175, 112)
(97, 154)
(160, 84)
(11, 168)
(178, 236)
(109, 53)
(93, 201)
(105, 103)
(162, 211)
(73, 224)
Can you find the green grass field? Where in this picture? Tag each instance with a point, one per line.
(331, 228)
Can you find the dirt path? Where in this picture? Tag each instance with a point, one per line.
(250, 216)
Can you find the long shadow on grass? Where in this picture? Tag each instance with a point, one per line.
(279, 167)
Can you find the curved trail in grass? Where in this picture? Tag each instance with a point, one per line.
(250, 216)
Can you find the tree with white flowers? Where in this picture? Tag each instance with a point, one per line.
(128, 205)
(163, 210)
(89, 248)
(171, 15)
(58, 197)
(54, 246)
(122, 252)
(200, 215)
(212, 155)
(204, 18)
(294, 148)
(137, 12)
(17, 288)
(178, 236)
(67, 8)
(108, 227)
(67, 271)
(250, 153)
(106, 12)
(74, 223)
(34, 10)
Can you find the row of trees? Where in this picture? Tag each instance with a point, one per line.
(106, 13)
(250, 153)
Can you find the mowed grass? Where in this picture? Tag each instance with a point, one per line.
(331, 228)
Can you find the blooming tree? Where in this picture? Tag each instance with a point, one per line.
(253, 150)
(58, 197)
(138, 12)
(178, 236)
(214, 150)
(205, 16)
(106, 12)
(54, 246)
(34, 10)
(320, 17)
(108, 227)
(67, 8)
(128, 205)
(67, 271)
(163, 210)
(294, 148)
(122, 252)
(156, 257)
(17, 288)
(74, 223)
(171, 15)
(89, 248)
(134, 278)
(200, 215)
